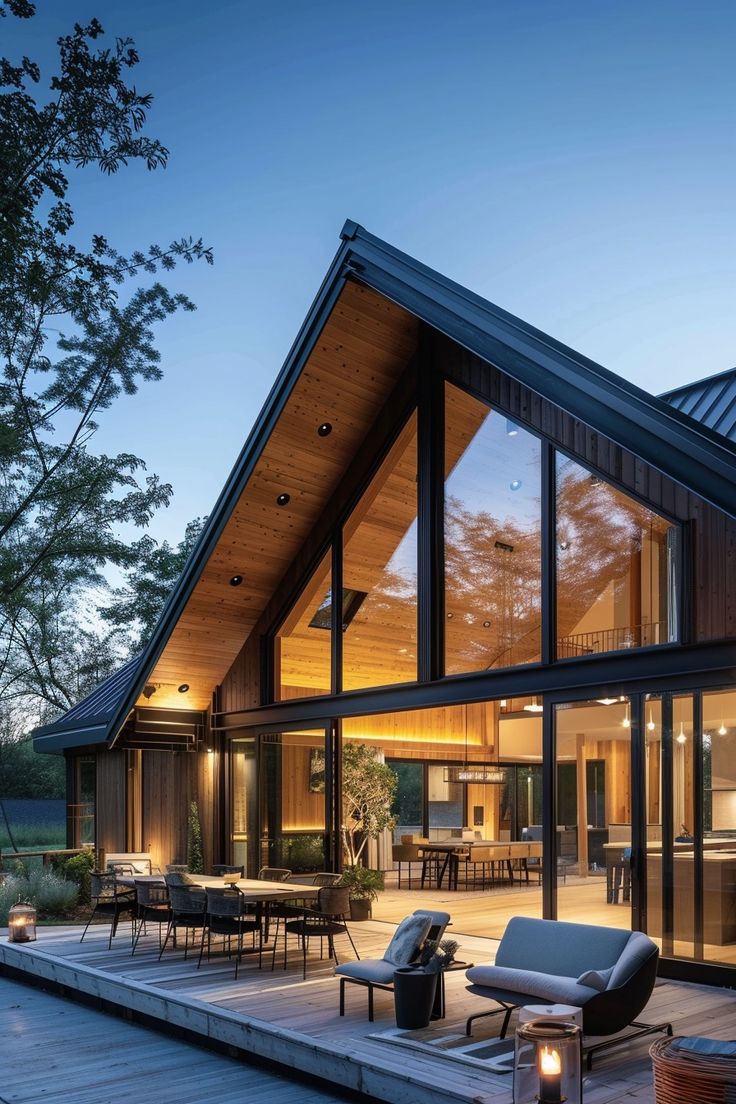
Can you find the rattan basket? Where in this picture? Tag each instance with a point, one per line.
(688, 1078)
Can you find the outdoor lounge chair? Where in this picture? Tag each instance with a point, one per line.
(608, 972)
(404, 948)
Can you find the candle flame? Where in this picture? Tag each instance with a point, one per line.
(549, 1061)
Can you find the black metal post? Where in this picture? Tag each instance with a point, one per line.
(637, 761)
(549, 813)
(549, 553)
(668, 865)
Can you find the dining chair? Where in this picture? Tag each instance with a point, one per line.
(188, 908)
(151, 904)
(226, 916)
(222, 868)
(110, 899)
(273, 874)
(324, 922)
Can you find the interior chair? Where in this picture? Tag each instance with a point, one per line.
(405, 853)
(188, 909)
(533, 834)
(404, 948)
(324, 922)
(326, 878)
(225, 915)
(222, 868)
(111, 900)
(151, 905)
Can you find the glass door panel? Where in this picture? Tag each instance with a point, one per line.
(293, 800)
(594, 812)
(243, 804)
(719, 826)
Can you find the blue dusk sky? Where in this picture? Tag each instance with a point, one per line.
(572, 162)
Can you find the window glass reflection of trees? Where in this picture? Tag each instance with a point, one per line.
(616, 567)
(492, 538)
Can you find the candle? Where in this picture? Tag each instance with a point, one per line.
(18, 925)
(550, 1076)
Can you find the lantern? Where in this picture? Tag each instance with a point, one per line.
(547, 1063)
(22, 923)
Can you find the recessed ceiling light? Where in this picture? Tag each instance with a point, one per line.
(236, 580)
(486, 624)
(450, 616)
(183, 688)
(283, 500)
(515, 484)
(325, 429)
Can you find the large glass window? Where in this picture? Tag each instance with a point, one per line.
(616, 568)
(243, 805)
(380, 566)
(719, 825)
(302, 646)
(492, 538)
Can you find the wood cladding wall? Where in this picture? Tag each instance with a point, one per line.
(713, 610)
(171, 781)
(110, 801)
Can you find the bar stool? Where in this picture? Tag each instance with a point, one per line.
(618, 875)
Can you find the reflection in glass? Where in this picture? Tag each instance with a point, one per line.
(719, 825)
(380, 564)
(302, 648)
(492, 538)
(616, 568)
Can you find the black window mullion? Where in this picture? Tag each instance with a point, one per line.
(698, 871)
(430, 505)
(549, 552)
(549, 813)
(668, 871)
(639, 858)
(336, 613)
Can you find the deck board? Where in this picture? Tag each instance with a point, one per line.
(278, 1015)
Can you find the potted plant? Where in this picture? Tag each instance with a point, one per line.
(364, 885)
(416, 995)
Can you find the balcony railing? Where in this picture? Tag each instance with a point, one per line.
(612, 640)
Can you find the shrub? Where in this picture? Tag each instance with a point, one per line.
(77, 869)
(195, 859)
(51, 895)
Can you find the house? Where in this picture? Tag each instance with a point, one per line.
(454, 539)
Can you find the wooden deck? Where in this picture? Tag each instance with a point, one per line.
(37, 1061)
(281, 1017)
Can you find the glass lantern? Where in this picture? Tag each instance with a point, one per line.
(547, 1063)
(22, 923)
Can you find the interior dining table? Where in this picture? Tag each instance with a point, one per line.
(448, 853)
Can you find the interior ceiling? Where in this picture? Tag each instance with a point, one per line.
(357, 360)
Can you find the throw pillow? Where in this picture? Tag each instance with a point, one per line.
(596, 979)
(407, 940)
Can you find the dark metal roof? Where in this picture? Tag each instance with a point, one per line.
(711, 401)
(650, 427)
(87, 722)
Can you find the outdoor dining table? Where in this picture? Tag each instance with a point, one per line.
(256, 890)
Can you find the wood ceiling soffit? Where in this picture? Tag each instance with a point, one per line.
(364, 346)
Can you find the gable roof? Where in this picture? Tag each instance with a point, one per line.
(711, 401)
(371, 299)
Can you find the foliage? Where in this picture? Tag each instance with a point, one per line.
(149, 582)
(305, 853)
(75, 334)
(26, 836)
(195, 858)
(364, 884)
(368, 788)
(23, 773)
(436, 956)
(77, 869)
(50, 894)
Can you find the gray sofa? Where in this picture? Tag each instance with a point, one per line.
(607, 972)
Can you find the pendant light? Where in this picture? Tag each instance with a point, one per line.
(722, 730)
(650, 723)
(626, 722)
(681, 735)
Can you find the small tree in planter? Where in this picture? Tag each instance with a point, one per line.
(368, 788)
(195, 859)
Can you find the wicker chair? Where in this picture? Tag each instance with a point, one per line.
(188, 908)
(225, 916)
(222, 868)
(273, 874)
(151, 904)
(687, 1077)
(111, 900)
